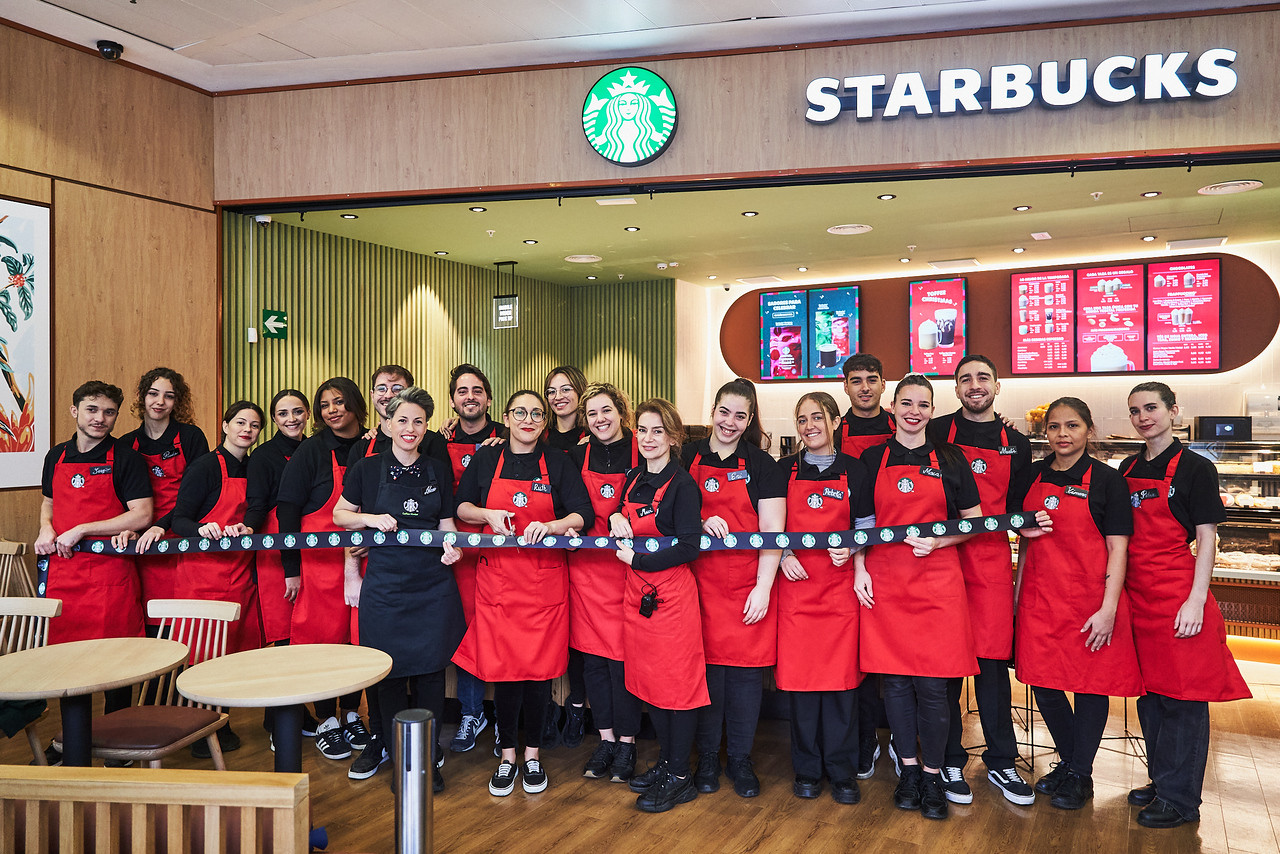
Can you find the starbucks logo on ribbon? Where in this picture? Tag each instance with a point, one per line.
(574, 542)
(473, 540)
(204, 544)
(163, 546)
(290, 541)
(334, 539)
(550, 541)
(860, 537)
(499, 539)
(379, 538)
(991, 524)
(425, 538)
(913, 531)
(629, 116)
(312, 540)
(402, 537)
(809, 541)
(356, 538)
(183, 545)
(965, 526)
(782, 541)
(1016, 520)
(601, 542)
(651, 544)
(224, 543)
(730, 541)
(704, 543)
(756, 541)
(886, 534)
(246, 542)
(97, 547)
(939, 529)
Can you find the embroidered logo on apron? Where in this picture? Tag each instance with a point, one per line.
(520, 500)
(466, 460)
(1051, 502)
(905, 485)
(815, 501)
(711, 485)
(979, 466)
(77, 480)
(410, 506)
(607, 490)
(156, 471)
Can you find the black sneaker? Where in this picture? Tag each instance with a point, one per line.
(707, 775)
(1143, 796)
(354, 731)
(868, 753)
(601, 760)
(745, 782)
(1073, 793)
(806, 787)
(906, 795)
(1012, 786)
(934, 796)
(309, 724)
(532, 777)
(330, 741)
(437, 780)
(369, 760)
(465, 738)
(666, 793)
(575, 725)
(624, 763)
(895, 758)
(503, 781)
(551, 727)
(845, 791)
(1049, 783)
(227, 741)
(642, 782)
(953, 783)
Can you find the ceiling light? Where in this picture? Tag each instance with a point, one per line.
(886, 197)
(954, 264)
(1042, 235)
(1021, 208)
(713, 278)
(1226, 188)
(1018, 250)
(441, 252)
(591, 278)
(621, 201)
(802, 269)
(530, 242)
(849, 228)
(1147, 238)
(1150, 194)
(1196, 243)
(905, 260)
(751, 213)
(632, 228)
(583, 259)
(477, 209)
(349, 216)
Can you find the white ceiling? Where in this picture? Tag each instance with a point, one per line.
(228, 45)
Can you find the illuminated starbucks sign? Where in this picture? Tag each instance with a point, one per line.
(629, 116)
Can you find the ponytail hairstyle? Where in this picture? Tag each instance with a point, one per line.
(1166, 395)
(746, 389)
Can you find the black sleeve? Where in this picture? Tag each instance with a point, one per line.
(1204, 506)
(1117, 512)
(289, 520)
(444, 482)
(684, 500)
(1022, 459)
(193, 442)
(198, 493)
(130, 476)
(353, 482)
(861, 501)
(871, 460)
(966, 488)
(571, 494)
(1019, 488)
(434, 446)
(46, 474)
(473, 485)
(259, 488)
(689, 453)
(298, 478)
(772, 483)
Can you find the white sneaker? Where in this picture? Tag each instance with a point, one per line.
(953, 783)
(893, 757)
(1012, 786)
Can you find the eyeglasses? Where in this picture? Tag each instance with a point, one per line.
(521, 414)
(384, 388)
(562, 390)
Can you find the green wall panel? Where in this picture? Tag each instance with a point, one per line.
(625, 334)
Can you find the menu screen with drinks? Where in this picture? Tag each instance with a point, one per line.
(1110, 304)
(1044, 335)
(937, 325)
(834, 314)
(783, 334)
(1182, 315)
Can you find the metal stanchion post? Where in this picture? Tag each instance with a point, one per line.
(414, 739)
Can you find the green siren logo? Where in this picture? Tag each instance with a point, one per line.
(629, 116)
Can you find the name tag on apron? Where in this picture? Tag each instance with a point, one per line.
(1136, 498)
(169, 454)
(1008, 451)
(1077, 492)
(540, 487)
(644, 511)
(100, 470)
(741, 474)
(930, 471)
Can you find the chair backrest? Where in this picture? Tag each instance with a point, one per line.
(201, 624)
(13, 569)
(24, 622)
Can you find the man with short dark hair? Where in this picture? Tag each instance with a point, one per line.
(866, 423)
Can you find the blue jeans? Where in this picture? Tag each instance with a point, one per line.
(470, 693)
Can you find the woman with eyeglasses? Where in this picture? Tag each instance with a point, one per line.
(519, 638)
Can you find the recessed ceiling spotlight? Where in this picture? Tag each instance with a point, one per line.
(632, 228)
(802, 269)
(905, 260)
(713, 278)
(1150, 194)
(349, 216)
(477, 209)
(751, 213)
(1018, 250)
(591, 278)
(530, 242)
(441, 252)
(886, 197)
(1147, 238)
(1021, 208)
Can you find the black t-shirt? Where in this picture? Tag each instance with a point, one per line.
(985, 435)
(363, 477)
(562, 441)
(855, 425)
(568, 492)
(1195, 498)
(958, 484)
(861, 501)
(432, 445)
(764, 479)
(266, 468)
(308, 478)
(490, 429)
(200, 490)
(1108, 492)
(679, 514)
(190, 438)
(128, 474)
(614, 458)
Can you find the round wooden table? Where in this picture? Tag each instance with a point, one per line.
(74, 671)
(284, 677)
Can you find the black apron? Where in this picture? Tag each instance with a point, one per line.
(409, 603)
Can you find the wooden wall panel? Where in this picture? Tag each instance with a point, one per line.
(25, 186)
(71, 115)
(738, 115)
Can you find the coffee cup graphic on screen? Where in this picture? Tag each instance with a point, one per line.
(927, 335)
(827, 355)
(1109, 359)
(945, 318)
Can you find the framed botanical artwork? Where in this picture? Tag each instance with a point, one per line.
(25, 334)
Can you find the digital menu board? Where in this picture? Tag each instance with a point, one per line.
(1110, 303)
(1183, 315)
(937, 325)
(834, 338)
(783, 334)
(1043, 323)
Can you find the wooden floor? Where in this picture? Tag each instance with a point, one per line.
(1241, 812)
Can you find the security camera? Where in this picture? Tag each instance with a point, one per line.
(109, 50)
(262, 220)
(726, 288)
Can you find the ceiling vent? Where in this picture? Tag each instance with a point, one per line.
(1196, 243)
(583, 259)
(1226, 188)
(851, 228)
(954, 264)
(761, 280)
(616, 201)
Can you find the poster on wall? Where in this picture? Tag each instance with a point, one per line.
(24, 343)
(1183, 315)
(834, 314)
(783, 335)
(937, 325)
(1109, 320)
(1043, 322)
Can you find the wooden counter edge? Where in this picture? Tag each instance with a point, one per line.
(260, 789)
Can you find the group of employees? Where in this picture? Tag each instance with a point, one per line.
(1110, 598)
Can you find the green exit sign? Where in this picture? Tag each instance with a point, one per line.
(275, 323)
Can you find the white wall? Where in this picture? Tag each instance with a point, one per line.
(701, 369)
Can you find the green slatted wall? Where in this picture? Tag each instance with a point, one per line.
(353, 306)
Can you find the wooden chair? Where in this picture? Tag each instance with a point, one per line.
(13, 569)
(24, 624)
(149, 732)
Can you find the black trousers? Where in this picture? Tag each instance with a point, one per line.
(394, 694)
(329, 708)
(1076, 732)
(577, 679)
(736, 694)
(995, 701)
(612, 705)
(509, 698)
(676, 729)
(917, 709)
(1177, 737)
(870, 708)
(824, 733)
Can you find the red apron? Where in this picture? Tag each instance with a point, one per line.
(725, 578)
(818, 617)
(597, 578)
(665, 665)
(165, 470)
(101, 596)
(855, 445)
(464, 571)
(521, 626)
(920, 623)
(1161, 570)
(985, 559)
(224, 577)
(1063, 584)
(321, 614)
(277, 611)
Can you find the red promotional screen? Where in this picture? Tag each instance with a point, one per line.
(937, 325)
(1109, 320)
(1182, 315)
(1044, 335)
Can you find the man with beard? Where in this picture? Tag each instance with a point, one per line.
(996, 452)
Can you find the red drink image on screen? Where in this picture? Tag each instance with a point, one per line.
(840, 335)
(785, 352)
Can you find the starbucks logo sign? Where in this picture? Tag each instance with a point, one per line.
(629, 116)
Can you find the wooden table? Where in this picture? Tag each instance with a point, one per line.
(73, 672)
(285, 677)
